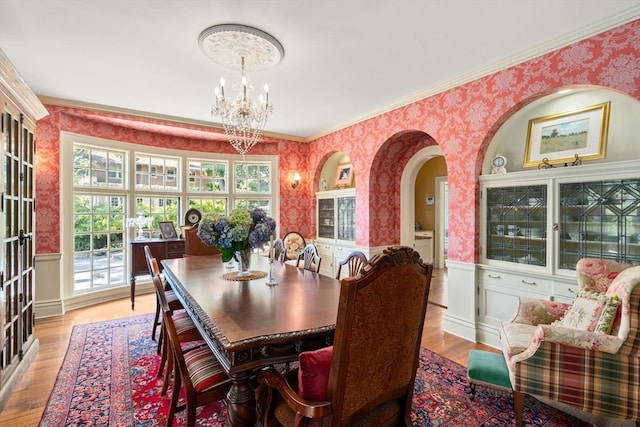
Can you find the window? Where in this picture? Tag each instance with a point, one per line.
(207, 176)
(98, 239)
(165, 184)
(252, 177)
(92, 166)
(156, 172)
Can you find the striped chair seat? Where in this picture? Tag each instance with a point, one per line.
(204, 369)
(184, 324)
(172, 300)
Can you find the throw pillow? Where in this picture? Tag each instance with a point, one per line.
(313, 380)
(591, 311)
(313, 374)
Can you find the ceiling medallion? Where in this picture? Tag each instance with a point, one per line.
(243, 48)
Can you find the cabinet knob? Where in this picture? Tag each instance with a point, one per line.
(491, 276)
(529, 283)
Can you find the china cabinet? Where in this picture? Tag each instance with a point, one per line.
(19, 110)
(335, 227)
(536, 225)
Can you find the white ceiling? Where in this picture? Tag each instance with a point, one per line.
(345, 60)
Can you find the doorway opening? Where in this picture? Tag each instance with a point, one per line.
(442, 222)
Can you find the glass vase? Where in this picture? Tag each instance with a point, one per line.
(244, 262)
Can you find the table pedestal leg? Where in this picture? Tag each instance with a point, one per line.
(241, 403)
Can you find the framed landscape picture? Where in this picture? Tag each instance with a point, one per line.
(559, 137)
(168, 230)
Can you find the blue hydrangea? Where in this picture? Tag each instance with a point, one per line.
(240, 230)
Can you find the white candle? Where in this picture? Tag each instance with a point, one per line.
(271, 248)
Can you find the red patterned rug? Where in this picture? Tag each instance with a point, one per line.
(108, 378)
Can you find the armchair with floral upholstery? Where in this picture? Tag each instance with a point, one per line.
(585, 354)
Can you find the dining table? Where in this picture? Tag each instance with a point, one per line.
(250, 323)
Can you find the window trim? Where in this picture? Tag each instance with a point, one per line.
(67, 143)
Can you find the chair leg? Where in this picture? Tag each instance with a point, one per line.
(156, 321)
(167, 373)
(175, 394)
(163, 355)
(518, 407)
(160, 338)
(191, 411)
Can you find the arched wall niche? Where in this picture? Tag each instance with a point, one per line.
(326, 171)
(510, 136)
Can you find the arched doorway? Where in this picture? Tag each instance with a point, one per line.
(407, 192)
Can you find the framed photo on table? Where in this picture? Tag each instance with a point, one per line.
(168, 230)
(344, 175)
(558, 138)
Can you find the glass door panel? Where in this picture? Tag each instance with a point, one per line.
(326, 227)
(347, 218)
(599, 220)
(517, 224)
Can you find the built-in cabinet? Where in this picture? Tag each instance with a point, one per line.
(335, 227)
(536, 225)
(19, 110)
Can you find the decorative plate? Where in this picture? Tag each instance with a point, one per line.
(293, 244)
(192, 217)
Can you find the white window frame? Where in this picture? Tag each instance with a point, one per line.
(68, 140)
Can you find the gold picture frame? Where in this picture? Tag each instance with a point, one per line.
(558, 138)
(344, 175)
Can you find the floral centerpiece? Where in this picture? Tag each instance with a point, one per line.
(242, 230)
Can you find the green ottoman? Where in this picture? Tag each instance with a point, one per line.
(487, 369)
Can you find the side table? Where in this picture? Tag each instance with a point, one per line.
(160, 248)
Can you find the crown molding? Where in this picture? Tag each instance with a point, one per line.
(152, 116)
(613, 21)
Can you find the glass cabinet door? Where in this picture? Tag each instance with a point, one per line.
(599, 220)
(517, 224)
(347, 218)
(326, 218)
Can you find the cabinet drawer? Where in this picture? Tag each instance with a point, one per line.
(342, 252)
(324, 249)
(566, 290)
(534, 284)
(175, 249)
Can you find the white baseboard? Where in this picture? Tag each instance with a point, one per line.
(13, 381)
(49, 308)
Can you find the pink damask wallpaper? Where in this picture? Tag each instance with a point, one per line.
(461, 121)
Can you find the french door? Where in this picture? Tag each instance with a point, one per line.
(17, 274)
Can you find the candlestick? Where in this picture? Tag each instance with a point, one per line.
(271, 255)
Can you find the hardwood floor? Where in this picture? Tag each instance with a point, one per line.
(26, 404)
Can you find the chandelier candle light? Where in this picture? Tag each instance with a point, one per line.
(233, 45)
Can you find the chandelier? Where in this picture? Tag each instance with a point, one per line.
(245, 48)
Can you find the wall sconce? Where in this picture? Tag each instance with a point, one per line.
(296, 180)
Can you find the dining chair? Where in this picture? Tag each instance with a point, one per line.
(355, 261)
(185, 329)
(367, 377)
(197, 371)
(293, 243)
(279, 252)
(194, 246)
(310, 258)
(174, 303)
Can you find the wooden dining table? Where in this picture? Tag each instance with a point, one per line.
(250, 325)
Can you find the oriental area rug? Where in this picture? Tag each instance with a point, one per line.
(108, 378)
